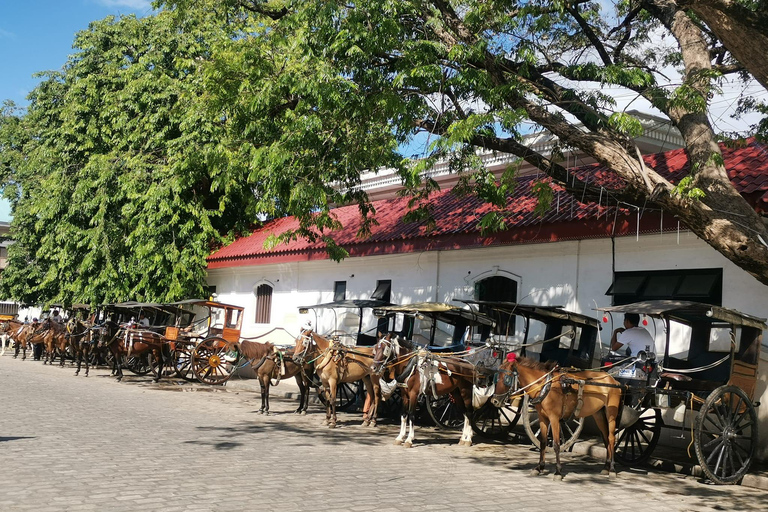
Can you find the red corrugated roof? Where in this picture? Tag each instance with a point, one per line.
(457, 217)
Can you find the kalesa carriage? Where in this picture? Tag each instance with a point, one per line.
(489, 367)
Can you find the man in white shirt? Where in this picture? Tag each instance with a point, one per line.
(631, 338)
(143, 321)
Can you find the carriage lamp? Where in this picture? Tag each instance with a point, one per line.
(645, 321)
(303, 311)
(605, 319)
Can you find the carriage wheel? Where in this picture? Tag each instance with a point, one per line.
(444, 412)
(169, 369)
(636, 442)
(138, 365)
(570, 428)
(392, 408)
(182, 361)
(726, 434)
(214, 360)
(496, 422)
(346, 394)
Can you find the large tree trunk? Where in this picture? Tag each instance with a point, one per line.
(743, 32)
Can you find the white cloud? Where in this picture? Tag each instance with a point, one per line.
(4, 34)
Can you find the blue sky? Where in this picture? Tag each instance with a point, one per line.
(37, 35)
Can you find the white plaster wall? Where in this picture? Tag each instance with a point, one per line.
(574, 274)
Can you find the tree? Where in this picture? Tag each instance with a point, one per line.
(303, 82)
(112, 196)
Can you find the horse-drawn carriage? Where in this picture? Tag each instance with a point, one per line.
(349, 317)
(704, 383)
(442, 330)
(548, 333)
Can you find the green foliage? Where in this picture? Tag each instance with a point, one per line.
(544, 194)
(685, 189)
(114, 190)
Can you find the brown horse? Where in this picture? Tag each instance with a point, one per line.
(558, 394)
(14, 329)
(124, 342)
(271, 364)
(55, 338)
(336, 364)
(426, 373)
(79, 337)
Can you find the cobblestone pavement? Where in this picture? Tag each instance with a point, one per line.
(74, 443)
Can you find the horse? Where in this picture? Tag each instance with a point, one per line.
(558, 394)
(13, 330)
(425, 372)
(336, 364)
(272, 365)
(55, 338)
(124, 342)
(80, 341)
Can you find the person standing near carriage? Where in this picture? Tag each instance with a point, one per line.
(631, 338)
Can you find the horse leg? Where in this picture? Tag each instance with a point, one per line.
(302, 394)
(87, 356)
(331, 403)
(413, 396)
(555, 426)
(376, 400)
(368, 401)
(465, 399)
(543, 430)
(602, 424)
(79, 358)
(16, 351)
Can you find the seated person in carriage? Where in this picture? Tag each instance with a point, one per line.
(143, 321)
(631, 338)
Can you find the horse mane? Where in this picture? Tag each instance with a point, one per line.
(536, 365)
(255, 350)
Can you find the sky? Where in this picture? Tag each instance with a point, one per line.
(37, 35)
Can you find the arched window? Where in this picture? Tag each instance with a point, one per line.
(263, 303)
(498, 288)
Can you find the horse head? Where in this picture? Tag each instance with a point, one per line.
(386, 349)
(506, 377)
(304, 342)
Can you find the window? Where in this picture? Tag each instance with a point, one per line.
(263, 304)
(497, 288)
(383, 292)
(339, 291)
(698, 285)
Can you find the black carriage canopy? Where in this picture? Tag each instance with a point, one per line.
(347, 304)
(689, 312)
(439, 311)
(207, 304)
(542, 313)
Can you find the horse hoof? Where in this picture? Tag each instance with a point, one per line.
(408, 444)
(535, 472)
(303, 413)
(398, 442)
(605, 472)
(557, 478)
(366, 423)
(331, 425)
(266, 413)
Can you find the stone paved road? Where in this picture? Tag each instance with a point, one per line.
(72, 444)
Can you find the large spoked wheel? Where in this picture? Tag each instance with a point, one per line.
(168, 367)
(346, 395)
(182, 361)
(444, 412)
(636, 442)
(497, 422)
(138, 365)
(214, 360)
(725, 435)
(570, 428)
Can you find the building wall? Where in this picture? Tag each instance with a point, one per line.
(573, 274)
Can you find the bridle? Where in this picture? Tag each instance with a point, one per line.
(391, 348)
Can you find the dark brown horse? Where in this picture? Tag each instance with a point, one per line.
(127, 341)
(270, 365)
(432, 374)
(336, 364)
(79, 337)
(558, 394)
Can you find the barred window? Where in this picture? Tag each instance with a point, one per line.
(263, 304)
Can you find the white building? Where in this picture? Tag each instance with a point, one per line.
(570, 257)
